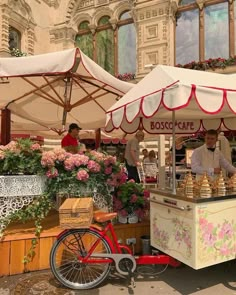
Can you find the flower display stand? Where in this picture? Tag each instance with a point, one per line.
(17, 191)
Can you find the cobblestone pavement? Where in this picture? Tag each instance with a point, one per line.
(216, 280)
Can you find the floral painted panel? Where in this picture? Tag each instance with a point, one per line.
(175, 235)
(216, 238)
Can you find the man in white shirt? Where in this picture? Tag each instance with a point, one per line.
(208, 158)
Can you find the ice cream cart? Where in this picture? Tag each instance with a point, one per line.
(198, 231)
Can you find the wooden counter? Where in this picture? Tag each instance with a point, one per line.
(197, 231)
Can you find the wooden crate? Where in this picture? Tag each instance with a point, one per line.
(76, 213)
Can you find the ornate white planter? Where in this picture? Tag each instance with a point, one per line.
(21, 185)
(131, 218)
(17, 191)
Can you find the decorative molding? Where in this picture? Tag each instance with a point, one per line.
(79, 18)
(101, 2)
(121, 7)
(200, 4)
(63, 34)
(52, 3)
(113, 23)
(100, 12)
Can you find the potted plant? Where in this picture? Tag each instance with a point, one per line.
(131, 202)
(81, 174)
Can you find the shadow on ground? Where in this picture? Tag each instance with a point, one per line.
(183, 280)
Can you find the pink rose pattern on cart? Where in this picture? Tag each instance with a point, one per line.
(161, 236)
(181, 233)
(216, 237)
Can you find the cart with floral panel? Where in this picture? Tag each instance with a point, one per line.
(198, 230)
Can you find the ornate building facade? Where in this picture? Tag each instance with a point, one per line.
(123, 36)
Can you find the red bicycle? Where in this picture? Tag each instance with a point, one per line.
(82, 258)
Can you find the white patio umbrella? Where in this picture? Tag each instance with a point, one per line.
(58, 88)
(177, 100)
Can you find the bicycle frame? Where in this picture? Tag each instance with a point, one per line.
(116, 248)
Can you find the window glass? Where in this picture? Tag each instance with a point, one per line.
(217, 31)
(14, 38)
(187, 37)
(127, 49)
(125, 15)
(105, 50)
(104, 20)
(84, 25)
(186, 2)
(85, 43)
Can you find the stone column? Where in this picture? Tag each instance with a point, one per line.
(4, 30)
(155, 24)
(63, 37)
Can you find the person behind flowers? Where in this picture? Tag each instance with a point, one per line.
(145, 154)
(132, 156)
(207, 158)
(70, 141)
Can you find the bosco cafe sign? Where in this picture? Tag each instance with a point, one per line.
(166, 126)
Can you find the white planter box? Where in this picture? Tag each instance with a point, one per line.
(21, 185)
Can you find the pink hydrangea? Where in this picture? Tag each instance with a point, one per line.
(69, 163)
(82, 175)
(35, 147)
(117, 204)
(12, 146)
(100, 157)
(131, 180)
(80, 160)
(109, 160)
(93, 166)
(108, 170)
(146, 194)
(123, 212)
(134, 198)
(140, 213)
(52, 173)
(61, 154)
(48, 159)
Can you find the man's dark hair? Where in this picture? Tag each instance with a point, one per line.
(212, 132)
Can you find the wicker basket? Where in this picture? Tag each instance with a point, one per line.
(76, 213)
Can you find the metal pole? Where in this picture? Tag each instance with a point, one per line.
(5, 126)
(173, 156)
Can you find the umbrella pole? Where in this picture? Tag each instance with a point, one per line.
(5, 126)
(97, 138)
(173, 156)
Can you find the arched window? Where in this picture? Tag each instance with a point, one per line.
(126, 44)
(105, 49)
(14, 38)
(112, 47)
(203, 34)
(84, 39)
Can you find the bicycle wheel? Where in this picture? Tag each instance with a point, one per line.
(65, 264)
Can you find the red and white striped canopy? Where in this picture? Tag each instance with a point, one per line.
(201, 100)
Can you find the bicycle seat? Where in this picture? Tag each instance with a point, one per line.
(103, 216)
